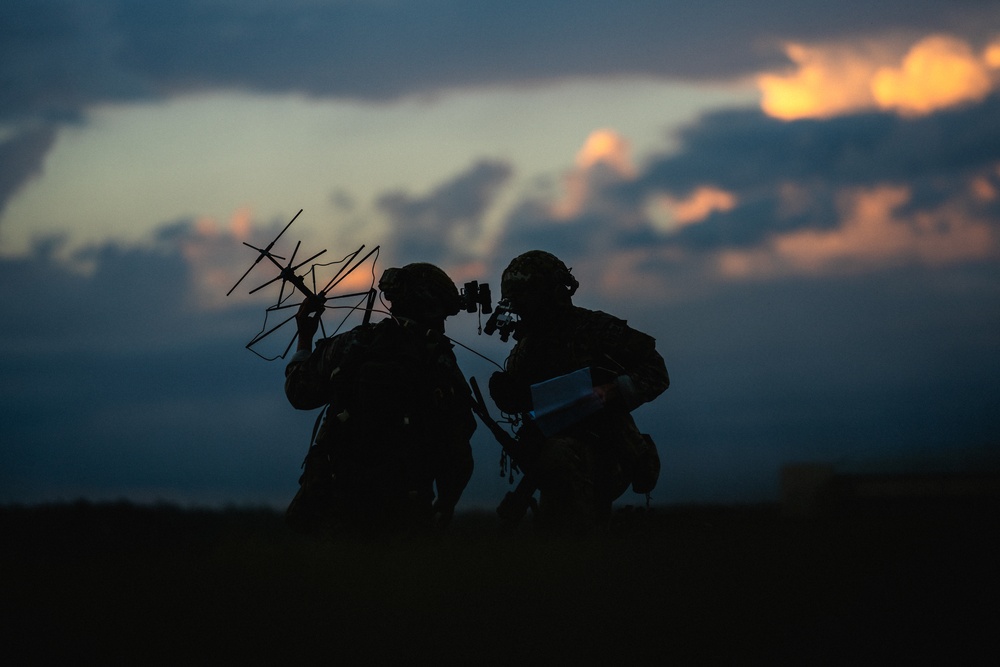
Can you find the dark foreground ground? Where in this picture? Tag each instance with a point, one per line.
(125, 585)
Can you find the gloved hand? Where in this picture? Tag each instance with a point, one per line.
(508, 394)
(307, 321)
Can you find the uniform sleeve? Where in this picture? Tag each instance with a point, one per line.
(307, 376)
(641, 371)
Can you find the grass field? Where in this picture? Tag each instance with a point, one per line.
(118, 584)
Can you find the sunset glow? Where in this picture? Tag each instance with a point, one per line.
(607, 147)
(992, 55)
(239, 223)
(871, 234)
(206, 226)
(828, 80)
(800, 204)
(699, 205)
(984, 190)
(937, 72)
(603, 147)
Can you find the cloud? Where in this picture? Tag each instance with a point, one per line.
(121, 380)
(992, 55)
(138, 296)
(799, 341)
(936, 72)
(827, 81)
(604, 157)
(124, 379)
(605, 146)
(802, 278)
(747, 197)
(61, 58)
(698, 205)
(21, 157)
(447, 222)
(756, 158)
(581, 217)
(872, 232)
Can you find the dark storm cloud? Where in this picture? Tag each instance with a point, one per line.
(532, 226)
(884, 369)
(117, 385)
(21, 159)
(61, 56)
(754, 157)
(58, 58)
(888, 370)
(110, 292)
(443, 224)
(744, 150)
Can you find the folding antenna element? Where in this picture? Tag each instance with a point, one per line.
(264, 252)
(288, 275)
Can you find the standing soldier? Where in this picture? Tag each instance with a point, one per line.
(580, 468)
(397, 422)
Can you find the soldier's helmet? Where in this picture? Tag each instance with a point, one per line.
(537, 271)
(420, 290)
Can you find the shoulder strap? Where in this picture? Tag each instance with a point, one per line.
(312, 440)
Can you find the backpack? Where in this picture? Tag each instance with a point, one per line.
(637, 455)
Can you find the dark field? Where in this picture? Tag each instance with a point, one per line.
(885, 583)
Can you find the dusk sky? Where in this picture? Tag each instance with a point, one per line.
(799, 200)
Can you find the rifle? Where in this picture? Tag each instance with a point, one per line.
(515, 503)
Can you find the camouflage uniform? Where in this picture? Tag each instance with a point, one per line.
(398, 422)
(583, 469)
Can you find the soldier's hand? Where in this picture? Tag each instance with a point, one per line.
(504, 392)
(307, 318)
(499, 385)
(608, 393)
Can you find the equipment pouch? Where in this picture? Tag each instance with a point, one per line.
(646, 470)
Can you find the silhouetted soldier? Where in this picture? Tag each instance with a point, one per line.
(398, 421)
(579, 468)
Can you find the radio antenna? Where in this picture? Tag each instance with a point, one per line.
(288, 274)
(264, 252)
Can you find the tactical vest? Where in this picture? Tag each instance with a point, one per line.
(393, 383)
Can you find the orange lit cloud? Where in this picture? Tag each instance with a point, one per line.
(624, 274)
(827, 81)
(206, 227)
(934, 73)
(983, 190)
(991, 56)
(699, 205)
(937, 72)
(240, 223)
(216, 258)
(470, 270)
(872, 234)
(605, 148)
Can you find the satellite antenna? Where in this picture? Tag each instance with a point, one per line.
(288, 275)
